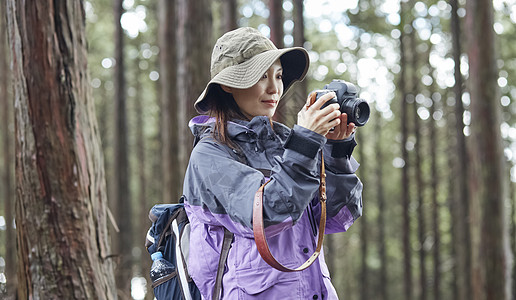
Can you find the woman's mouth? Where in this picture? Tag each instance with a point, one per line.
(270, 102)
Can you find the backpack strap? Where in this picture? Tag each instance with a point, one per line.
(228, 235)
(226, 245)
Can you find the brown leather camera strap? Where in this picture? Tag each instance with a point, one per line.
(259, 229)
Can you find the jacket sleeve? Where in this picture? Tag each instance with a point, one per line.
(343, 187)
(220, 190)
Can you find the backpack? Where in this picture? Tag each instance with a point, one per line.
(170, 234)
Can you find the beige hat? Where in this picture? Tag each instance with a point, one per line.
(241, 57)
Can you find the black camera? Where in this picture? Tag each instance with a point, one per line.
(357, 109)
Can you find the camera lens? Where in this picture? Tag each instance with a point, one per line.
(357, 110)
(362, 113)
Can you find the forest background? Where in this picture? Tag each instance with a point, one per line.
(437, 156)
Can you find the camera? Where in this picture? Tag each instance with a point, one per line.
(346, 96)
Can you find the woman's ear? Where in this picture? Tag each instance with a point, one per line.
(226, 89)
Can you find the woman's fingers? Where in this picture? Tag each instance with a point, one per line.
(320, 102)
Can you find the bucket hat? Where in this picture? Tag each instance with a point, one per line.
(241, 57)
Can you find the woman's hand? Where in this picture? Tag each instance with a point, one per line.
(321, 121)
(343, 130)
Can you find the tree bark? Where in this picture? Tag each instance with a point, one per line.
(490, 268)
(63, 244)
(123, 210)
(193, 56)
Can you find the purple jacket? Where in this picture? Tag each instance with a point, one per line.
(219, 188)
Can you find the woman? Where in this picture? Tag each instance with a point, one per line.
(237, 142)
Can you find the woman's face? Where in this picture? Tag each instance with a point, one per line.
(262, 98)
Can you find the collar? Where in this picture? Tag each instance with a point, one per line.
(258, 126)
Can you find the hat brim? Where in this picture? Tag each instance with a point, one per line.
(294, 61)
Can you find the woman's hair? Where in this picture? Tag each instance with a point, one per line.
(224, 108)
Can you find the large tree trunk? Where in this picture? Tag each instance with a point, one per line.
(460, 213)
(193, 36)
(8, 160)
(490, 267)
(123, 239)
(63, 248)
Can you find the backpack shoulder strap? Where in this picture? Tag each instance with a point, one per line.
(226, 245)
(228, 235)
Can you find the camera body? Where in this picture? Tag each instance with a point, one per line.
(357, 109)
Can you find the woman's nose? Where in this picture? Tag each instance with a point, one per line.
(273, 86)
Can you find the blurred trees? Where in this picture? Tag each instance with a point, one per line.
(439, 135)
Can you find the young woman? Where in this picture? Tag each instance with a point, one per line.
(237, 141)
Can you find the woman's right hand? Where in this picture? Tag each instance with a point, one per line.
(319, 120)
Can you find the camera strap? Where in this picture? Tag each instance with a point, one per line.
(259, 228)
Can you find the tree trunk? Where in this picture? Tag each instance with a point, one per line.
(193, 56)
(276, 22)
(461, 221)
(434, 187)
(365, 282)
(171, 187)
(405, 197)
(121, 195)
(380, 195)
(418, 173)
(63, 243)
(229, 15)
(296, 97)
(141, 166)
(276, 36)
(490, 239)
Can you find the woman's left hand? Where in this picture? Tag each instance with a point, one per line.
(343, 130)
